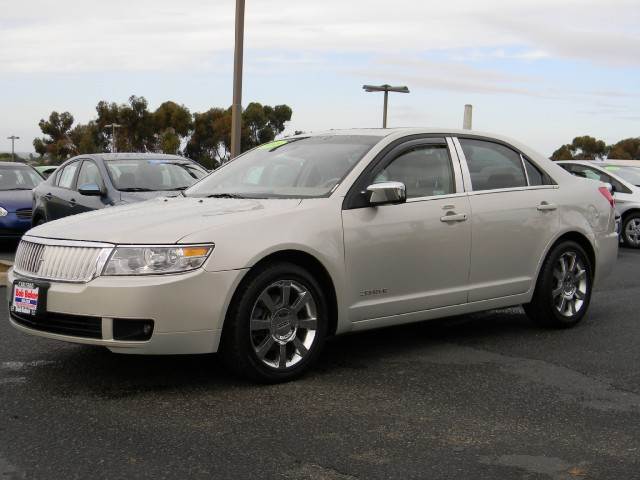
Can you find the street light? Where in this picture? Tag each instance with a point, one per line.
(236, 107)
(386, 89)
(113, 126)
(13, 138)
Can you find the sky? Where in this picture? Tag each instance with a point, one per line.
(540, 71)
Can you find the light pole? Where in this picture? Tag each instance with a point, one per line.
(467, 118)
(386, 89)
(13, 138)
(236, 107)
(113, 126)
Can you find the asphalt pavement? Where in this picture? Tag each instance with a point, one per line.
(486, 396)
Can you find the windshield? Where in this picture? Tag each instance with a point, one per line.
(18, 177)
(148, 175)
(306, 167)
(630, 174)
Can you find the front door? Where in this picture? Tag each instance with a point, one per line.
(412, 256)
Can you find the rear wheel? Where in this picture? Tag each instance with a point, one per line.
(563, 290)
(631, 230)
(276, 325)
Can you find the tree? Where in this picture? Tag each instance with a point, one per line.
(88, 139)
(582, 148)
(172, 123)
(136, 132)
(207, 144)
(627, 149)
(57, 145)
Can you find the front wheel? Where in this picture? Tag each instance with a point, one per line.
(563, 290)
(276, 325)
(631, 230)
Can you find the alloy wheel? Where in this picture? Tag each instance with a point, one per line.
(632, 232)
(570, 285)
(283, 324)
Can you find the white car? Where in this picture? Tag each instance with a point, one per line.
(319, 235)
(624, 178)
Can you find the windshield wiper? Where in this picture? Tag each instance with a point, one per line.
(225, 195)
(18, 188)
(175, 189)
(137, 189)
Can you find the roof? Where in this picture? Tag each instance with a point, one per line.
(130, 156)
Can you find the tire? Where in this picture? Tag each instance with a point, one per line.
(561, 299)
(268, 338)
(630, 230)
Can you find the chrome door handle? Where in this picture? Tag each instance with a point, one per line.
(454, 217)
(544, 207)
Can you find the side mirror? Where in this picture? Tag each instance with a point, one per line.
(90, 190)
(386, 193)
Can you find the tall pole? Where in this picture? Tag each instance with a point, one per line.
(13, 138)
(384, 110)
(114, 145)
(236, 107)
(468, 116)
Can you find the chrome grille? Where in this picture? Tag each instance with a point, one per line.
(60, 260)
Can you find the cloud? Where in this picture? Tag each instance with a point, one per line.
(147, 35)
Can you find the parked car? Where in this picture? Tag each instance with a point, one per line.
(93, 182)
(625, 182)
(16, 182)
(46, 170)
(318, 235)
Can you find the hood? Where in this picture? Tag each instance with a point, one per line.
(162, 220)
(12, 200)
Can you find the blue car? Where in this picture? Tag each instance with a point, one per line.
(16, 199)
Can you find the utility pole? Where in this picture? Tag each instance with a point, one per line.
(114, 145)
(386, 89)
(468, 117)
(236, 107)
(13, 138)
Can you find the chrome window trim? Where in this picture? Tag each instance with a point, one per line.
(514, 189)
(456, 164)
(437, 197)
(466, 175)
(524, 167)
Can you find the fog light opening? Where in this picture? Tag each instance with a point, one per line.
(132, 330)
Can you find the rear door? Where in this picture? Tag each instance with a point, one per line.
(514, 217)
(58, 197)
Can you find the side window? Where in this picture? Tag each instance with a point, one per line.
(492, 165)
(89, 173)
(425, 170)
(65, 178)
(536, 177)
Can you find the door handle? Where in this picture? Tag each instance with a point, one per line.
(454, 217)
(544, 207)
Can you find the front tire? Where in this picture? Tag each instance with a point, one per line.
(563, 290)
(276, 325)
(631, 230)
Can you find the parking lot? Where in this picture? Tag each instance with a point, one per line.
(482, 396)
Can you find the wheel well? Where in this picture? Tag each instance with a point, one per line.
(313, 265)
(584, 242)
(629, 212)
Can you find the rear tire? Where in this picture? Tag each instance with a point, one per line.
(631, 230)
(276, 325)
(563, 289)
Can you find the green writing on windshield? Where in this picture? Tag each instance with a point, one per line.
(272, 145)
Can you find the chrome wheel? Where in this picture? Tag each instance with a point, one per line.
(570, 285)
(283, 324)
(632, 232)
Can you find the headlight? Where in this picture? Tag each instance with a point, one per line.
(3, 212)
(152, 259)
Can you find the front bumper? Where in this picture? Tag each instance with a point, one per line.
(187, 310)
